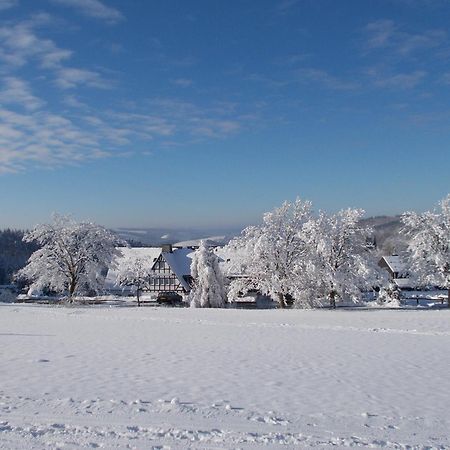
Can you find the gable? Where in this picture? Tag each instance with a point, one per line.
(165, 279)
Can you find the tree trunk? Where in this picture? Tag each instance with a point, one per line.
(72, 287)
(281, 301)
(332, 299)
(138, 298)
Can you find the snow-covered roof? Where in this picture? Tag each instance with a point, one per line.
(145, 253)
(404, 283)
(149, 254)
(395, 264)
(212, 241)
(180, 261)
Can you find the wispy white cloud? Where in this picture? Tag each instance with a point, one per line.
(269, 81)
(386, 34)
(182, 82)
(17, 92)
(421, 3)
(44, 139)
(445, 78)
(214, 128)
(74, 102)
(319, 76)
(146, 124)
(186, 118)
(7, 4)
(292, 59)
(380, 33)
(69, 128)
(34, 136)
(19, 45)
(95, 9)
(284, 6)
(400, 80)
(71, 77)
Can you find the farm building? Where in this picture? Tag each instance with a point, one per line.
(397, 271)
(170, 269)
(171, 272)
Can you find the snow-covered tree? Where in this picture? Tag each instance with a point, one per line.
(135, 272)
(428, 253)
(72, 256)
(272, 257)
(305, 258)
(208, 290)
(342, 265)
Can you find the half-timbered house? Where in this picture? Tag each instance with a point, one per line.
(170, 270)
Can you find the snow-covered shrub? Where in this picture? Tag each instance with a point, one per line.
(390, 296)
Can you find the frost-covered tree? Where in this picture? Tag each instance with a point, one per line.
(428, 253)
(208, 290)
(307, 258)
(272, 257)
(72, 256)
(342, 265)
(135, 272)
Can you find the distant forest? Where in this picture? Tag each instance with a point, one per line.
(386, 232)
(14, 253)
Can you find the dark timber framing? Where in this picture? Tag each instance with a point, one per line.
(164, 279)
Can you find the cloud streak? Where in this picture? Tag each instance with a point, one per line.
(94, 9)
(43, 139)
(17, 92)
(20, 45)
(7, 4)
(403, 80)
(71, 77)
(387, 35)
(69, 129)
(322, 77)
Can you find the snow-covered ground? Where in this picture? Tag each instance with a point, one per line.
(99, 377)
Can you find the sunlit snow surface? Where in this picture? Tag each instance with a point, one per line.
(98, 377)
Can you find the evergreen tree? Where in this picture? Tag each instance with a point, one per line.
(208, 290)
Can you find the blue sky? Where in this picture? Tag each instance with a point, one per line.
(208, 113)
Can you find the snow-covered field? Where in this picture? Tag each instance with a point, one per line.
(99, 377)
